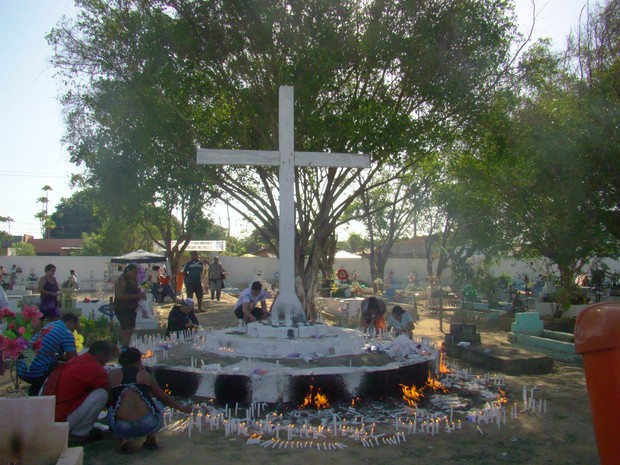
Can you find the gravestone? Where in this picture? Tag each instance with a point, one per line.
(462, 332)
(30, 435)
(287, 159)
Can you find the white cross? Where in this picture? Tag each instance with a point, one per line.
(287, 303)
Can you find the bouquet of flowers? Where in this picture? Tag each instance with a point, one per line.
(342, 274)
(143, 279)
(16, 331)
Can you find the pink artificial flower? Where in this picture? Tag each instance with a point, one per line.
(6, 313)
(21, 330)
(11, 348)
(12, 326)
(31, 313)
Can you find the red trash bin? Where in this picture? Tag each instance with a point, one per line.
(597, 339)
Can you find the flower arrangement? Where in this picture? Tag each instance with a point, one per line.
(340, 290)
(378, 283)
(18, 329)
(342, 274)
(79, 341)
(143, 279)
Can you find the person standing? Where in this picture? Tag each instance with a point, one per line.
(5, 278)
(216, 275)
(49, 289)
(127, 295)
(193, 278)
(53, 342)
(82, 391)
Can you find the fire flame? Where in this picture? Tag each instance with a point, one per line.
(167, 390)
(434, 384)
(355, 401)
(411, 395)
(443, 368)
(312, 400)
(148, 354)
(501, 397)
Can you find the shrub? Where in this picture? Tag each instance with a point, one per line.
(101, 329)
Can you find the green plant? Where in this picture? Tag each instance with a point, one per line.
(101, 329)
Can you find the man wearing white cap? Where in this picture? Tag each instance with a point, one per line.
(182, 318)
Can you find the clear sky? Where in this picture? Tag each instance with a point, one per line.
(31, 125)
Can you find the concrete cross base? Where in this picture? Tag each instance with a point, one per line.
(276, 341)
(370, 376)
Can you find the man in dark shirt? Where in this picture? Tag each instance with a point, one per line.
(182, 317)
(193, 278)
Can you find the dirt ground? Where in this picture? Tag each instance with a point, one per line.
(564, 435)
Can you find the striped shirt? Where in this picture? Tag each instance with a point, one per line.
(55, 339)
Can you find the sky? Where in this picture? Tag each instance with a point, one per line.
(31, 124)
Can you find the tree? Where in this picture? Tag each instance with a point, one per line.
(47, 224)
(6, 234)
(115, 237)
(77, 215)
(384, 78)
(527, 187)
(23, 249)
(388, 212)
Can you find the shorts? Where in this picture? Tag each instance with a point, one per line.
(126, 317)
(257, 312)
(194, 288)
(148, 424)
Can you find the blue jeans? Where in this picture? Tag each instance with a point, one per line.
(148, 424)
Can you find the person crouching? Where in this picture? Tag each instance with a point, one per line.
(247, 306)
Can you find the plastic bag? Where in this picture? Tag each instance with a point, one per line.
(145, 308)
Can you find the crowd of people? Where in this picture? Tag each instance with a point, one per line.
(85, 384)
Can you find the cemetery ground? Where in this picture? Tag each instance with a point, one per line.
(564, 435)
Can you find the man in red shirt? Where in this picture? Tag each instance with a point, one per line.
(82, 391)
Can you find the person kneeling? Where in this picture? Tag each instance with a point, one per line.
(247, 307)
(134, 413)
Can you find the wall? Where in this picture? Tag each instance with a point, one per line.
(94, 272)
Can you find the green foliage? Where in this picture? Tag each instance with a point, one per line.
(23, 249)
(116, 237)
(76, 215)
(99, 329)
(148, 81)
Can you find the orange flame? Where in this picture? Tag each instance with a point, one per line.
(443, 368)
(318, 400)
(411, 395)
(355, 401)
(167, 390)
(434, 384)
(501, 397)
(148, 354)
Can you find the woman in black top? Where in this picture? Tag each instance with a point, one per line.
(133, 412)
